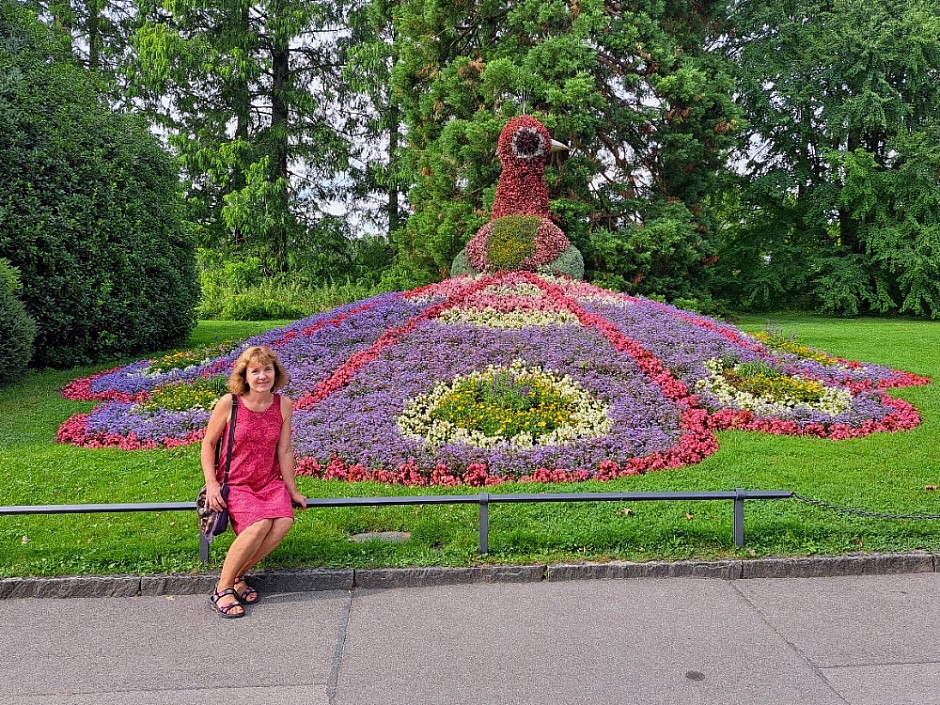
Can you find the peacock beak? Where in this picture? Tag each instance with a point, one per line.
(558, 147)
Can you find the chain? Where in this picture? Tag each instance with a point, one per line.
(862, 512)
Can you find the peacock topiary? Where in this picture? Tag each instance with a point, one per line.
(521, 235)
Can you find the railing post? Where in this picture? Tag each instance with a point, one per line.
(484, 522)
(739, 495)
(203, 548)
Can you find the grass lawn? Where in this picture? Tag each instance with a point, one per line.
(891, 473)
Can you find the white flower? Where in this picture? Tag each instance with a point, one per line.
(833, 401)
(491, 318)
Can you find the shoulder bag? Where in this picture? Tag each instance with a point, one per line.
(213, 522)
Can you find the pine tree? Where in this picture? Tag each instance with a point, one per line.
(244, 91)
(841, 210)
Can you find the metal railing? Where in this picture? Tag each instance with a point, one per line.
(483, 500)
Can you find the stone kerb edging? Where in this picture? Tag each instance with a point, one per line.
(307, 580)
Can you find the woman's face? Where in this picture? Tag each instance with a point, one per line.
(260, 377)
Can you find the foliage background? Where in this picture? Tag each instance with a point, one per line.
(725, 154)
(17, 328)
(837, 210)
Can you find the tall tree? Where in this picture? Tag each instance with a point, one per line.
(631, 87)
(99, 31)
(244, 91)
(842, 207)
(373, 122)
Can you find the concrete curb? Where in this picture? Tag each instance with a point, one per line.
(418, 577)
(317, 579)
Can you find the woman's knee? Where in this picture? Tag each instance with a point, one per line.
(282, 525)
(260, 528)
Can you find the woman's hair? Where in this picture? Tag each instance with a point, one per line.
(256, 355)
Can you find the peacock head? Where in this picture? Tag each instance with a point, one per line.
(525, 142)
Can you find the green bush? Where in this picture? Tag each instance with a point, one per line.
(277, 298)
(462, 266)
(252, 307)
(90, 209)
(569, 262)
(234, 288)
(664, 255)
(17, 329)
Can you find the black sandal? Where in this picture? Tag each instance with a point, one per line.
(249, 595)
(226, 610)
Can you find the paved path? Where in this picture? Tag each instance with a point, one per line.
(806, 641)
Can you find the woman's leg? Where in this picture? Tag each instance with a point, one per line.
(277, 530)
(243, 548)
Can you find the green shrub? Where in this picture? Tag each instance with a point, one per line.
(252, 307)
(569, 262)
(664, 255)
(17, 329)
(90, 209)
(462, 266)
(278, 298)
(704, 304)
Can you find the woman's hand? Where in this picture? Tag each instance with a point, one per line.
(214, 497)
(298, 500)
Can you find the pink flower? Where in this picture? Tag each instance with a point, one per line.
(80, 390)
(75, 432)
(523, 148)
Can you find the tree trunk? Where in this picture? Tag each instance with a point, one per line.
(280, 114)
(394, 121)
(242, 109)
(94, 35)
(848, 226)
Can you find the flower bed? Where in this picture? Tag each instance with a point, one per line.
(478, 380)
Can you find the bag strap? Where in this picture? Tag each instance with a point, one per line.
(231, 439)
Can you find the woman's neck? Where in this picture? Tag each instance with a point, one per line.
(258, 400)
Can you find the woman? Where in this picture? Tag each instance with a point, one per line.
(261, 479)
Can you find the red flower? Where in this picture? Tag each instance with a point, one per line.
(523, 149)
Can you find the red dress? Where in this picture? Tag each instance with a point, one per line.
(256, 488)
